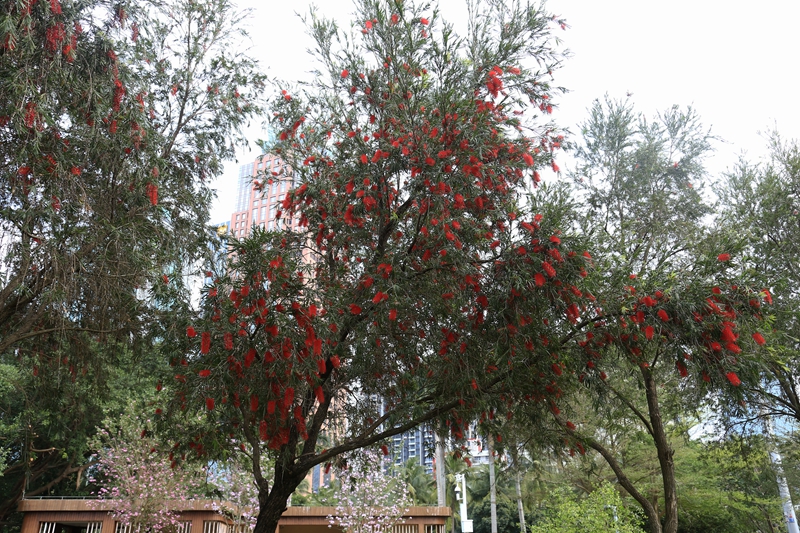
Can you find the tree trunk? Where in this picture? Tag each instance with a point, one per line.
(518, 486)
(441, 489)
(665, 454)
(492, 484)
(272, 503)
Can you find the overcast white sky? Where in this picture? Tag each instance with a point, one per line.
(735, 62)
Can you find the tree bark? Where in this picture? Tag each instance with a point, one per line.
(665, 454)
(518, 487)
(492, 484)
(441, 489)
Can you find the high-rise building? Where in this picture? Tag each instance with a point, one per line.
(262, 186)
(417, 443)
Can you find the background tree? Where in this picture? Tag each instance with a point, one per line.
(420, 485)
(369, 499)
(103, 203)
(602, 510)
(674, 310)
(760, 210)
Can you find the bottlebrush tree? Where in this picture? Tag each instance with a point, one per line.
(423, 284)
(678, 318)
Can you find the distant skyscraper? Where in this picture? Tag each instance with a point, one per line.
(258, 200)
(417, 443)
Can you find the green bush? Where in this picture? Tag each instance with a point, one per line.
(600, 512)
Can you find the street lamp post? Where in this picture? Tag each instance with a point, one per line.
(461, 496)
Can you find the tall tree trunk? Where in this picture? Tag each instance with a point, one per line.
(665, 454)
(272, 503)
(441, 489)
(518, 487)
(492, 484)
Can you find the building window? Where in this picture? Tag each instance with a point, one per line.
(263, 212)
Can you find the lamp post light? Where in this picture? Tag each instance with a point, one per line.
(461, 497)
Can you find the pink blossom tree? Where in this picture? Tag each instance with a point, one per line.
(140, 481)
(370, 500)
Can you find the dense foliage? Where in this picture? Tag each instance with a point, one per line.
(113, 117)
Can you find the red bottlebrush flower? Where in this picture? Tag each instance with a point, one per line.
(228, 341)
(380, 297)
(603, 376)
(395, 18)
(253, 402)
(758, 338)
(733, 378)
(716, 347)
(364, 159)
(448, 296)
(555, 240)
(570, 426)
(556, 369)
(165, 278)
(335, 361)
(474, 384)
(681, 369)
(152, 193)
(528, 158)
(548, 268)
(205, 342)
(554, 166)
(767, 296)
(158, 387)
(318, 392)
(728, 335)
(345, 73)
(354, 309)
(204, 373)
(210, 404)
(393, 314)
(724, 257)
(733, 347)
(663, 315)
(648, 332)
(423, 21)
(24, 171)
(384, 449)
